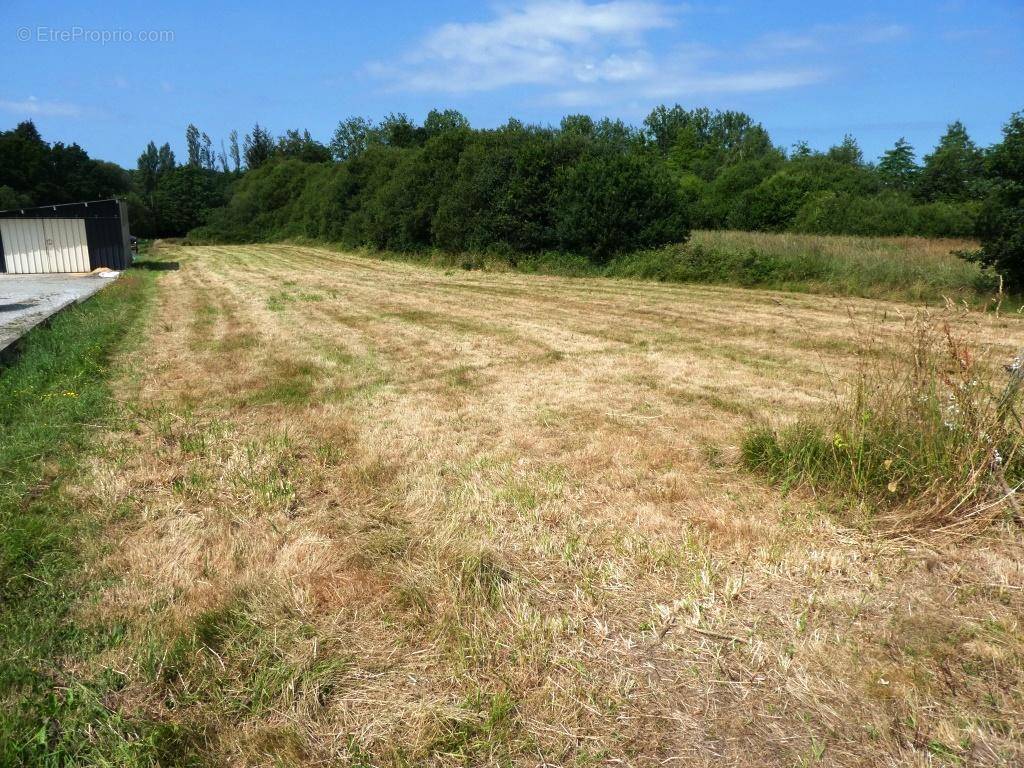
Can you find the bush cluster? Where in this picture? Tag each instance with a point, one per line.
(514, 190)
(591, 188)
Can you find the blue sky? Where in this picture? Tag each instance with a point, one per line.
(812, 71)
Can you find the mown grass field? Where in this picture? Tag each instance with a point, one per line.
(376, 513)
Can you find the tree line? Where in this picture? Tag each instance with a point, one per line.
(591, 187)
(720, 169)
(33, 172)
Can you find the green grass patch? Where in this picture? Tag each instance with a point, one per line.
(288, 382)
(926, 436)
(52, 390)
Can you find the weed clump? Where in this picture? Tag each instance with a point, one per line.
(926, 435)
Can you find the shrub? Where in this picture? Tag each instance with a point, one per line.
(1001, 223)
(885, 214)
(500, 196)
(881, 215)
(511, 192)
(608, 203)
(945, 219)
(923, 437)
(695, 263)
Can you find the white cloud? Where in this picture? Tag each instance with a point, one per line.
(33, 107)
(881, 34)
(579, 52)
(764, 80)
(674, 86)
(825, 37)
(775, 43)
(540, 43)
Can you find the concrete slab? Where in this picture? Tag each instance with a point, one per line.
(28, 300)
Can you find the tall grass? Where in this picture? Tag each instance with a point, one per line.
(925, 436)
(909, 268)
(903, 268)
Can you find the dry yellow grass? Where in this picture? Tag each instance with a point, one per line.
(377, 514)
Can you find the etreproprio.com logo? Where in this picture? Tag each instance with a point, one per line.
(87, 35)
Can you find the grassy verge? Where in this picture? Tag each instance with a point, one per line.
(51, 392)
(927, 436)
(899, 268)
(907, 268)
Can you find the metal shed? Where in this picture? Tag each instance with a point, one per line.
(68, 237)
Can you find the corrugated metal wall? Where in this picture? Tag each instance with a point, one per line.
(34, 246)
(106, 229)
(24, 246)
(68, 244)
(106, 246)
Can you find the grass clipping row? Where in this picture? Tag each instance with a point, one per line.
(925, 438)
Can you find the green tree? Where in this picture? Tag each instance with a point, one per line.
(207, 156)
(151, 166)
(663, 124)
(23, 159)
(39, 173)
(259, 147)
(148, 169)
(801, 149)
(847, 153)
(185, 196)
(607, 203)
(193, 145)
(351, 138)
(397, 130)
(303, 147)
(578, 125)
(897, 168)
(234, 152)
(953, 171)
(617, 134)
(499, 196)
(441, 121)
(703, 142)
(11, 199)
(1001, 224)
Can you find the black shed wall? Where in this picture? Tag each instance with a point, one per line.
(106, 229)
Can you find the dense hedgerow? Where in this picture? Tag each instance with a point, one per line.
(508, 191)
(593, 189)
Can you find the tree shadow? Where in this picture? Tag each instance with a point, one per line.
(156, 266)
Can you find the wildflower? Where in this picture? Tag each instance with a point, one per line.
(69, 393)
